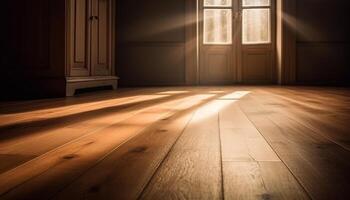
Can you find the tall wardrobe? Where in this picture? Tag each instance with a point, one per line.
(53, 48)
(90, 44)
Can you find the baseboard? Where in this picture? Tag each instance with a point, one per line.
(76, 83)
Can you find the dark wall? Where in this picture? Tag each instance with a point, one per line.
(26, 35)
(32, 59)
(151, 42)
(323, 42)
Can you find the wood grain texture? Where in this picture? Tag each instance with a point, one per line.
(193, 168)
(241, 141)
(179, 143)
(260, 180)
(295, 143)
(70, 160)
(59, 132)
(124, 173)
(243, 180)
(251, 168)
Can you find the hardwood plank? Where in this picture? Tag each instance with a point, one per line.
(125, 172)
(19, 119)
(260, 180)
(332, 126)
(14, 107)
(191, 177)
(24, 140)
(192, 169)
(51, 139)
(243, 149)
(64, 164)
(90, 119)
(60, 119)
(243, 181)
(241, 141)
(280, 183)
(13, 160)
(248, 143)
(32, 110)
(318, 164)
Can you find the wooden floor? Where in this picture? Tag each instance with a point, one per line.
(179, 143)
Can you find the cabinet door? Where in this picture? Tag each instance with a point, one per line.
(101, 38)
(79, 38)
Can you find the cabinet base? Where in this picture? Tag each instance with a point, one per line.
(75, 83)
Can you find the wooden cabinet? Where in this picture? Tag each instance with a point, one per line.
(90, 44)
(55, 47)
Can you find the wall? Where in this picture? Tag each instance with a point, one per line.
(32, 56)
(322, 42)
(152, 42)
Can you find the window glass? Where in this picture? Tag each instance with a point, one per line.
(249, 3)
(217, 3)
(256, 26)
(217, 26)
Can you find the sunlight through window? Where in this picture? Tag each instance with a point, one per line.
(218, 3)
(256, 22)
(217, 22)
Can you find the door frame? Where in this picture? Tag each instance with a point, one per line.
(193, 58)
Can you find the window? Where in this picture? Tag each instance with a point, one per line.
(217, 22)
(256, 21)
(254, 3)
(217, 3)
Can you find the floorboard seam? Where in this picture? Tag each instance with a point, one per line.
(316, 131)
(180, 97)
(110, 152)
(221, 160)
(296, 179)
(165, 157)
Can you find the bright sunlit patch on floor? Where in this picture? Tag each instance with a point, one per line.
(174, 92)
(216, 106)
(210, 109)
(235, 95)
(64, 111)
(216, 92)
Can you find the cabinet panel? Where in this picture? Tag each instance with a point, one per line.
(101, 38)
(79, 41)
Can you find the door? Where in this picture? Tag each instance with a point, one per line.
(101, 37)
(217, 52)
(79, 38)
(258, 51)
(236, 43)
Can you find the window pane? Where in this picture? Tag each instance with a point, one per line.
(256, 26)
(218, 3)
(217, 26)
(248, 3)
